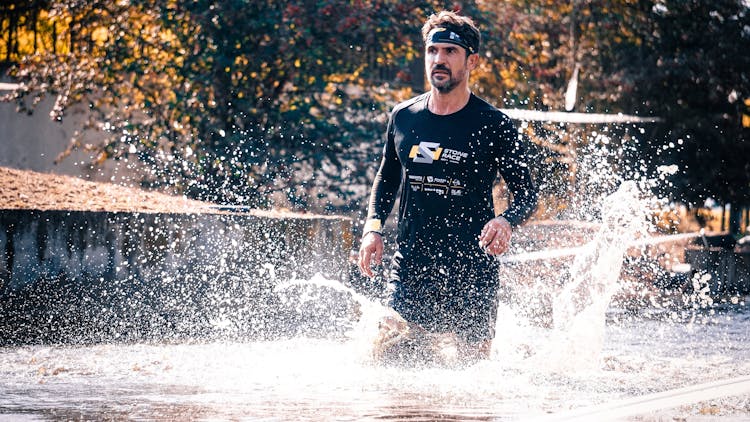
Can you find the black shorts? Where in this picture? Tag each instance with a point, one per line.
(458, 296)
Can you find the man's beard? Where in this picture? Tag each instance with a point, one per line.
(447, 85)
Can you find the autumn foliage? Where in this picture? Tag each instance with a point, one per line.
(240, 101)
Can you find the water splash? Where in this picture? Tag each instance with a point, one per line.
(362, 323)
(531, 370)
(579, 308)
(576, 340)
(592, 278)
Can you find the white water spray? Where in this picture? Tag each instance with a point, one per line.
(594, 273)
(579, 308)
(282, 379)
(363, 325)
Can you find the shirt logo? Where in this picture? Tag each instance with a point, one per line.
(425, 152)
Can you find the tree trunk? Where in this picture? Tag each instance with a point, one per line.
(735, 219)
(9, 43)
(34, 17)
(72, 34)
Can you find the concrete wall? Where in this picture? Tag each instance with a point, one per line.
(98, 276)
(91, 276)
(33, 142)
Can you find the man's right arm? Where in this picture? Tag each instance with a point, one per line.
(382, 197)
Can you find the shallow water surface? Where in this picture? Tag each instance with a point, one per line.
(593, 357)
(309, 379)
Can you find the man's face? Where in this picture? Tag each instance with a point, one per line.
(446, 66)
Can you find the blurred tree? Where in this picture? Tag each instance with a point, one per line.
(682, 60)
(538, 50)
(23, 32)
(693, 70)
(230, 100)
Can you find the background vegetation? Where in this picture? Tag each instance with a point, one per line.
(241, 101)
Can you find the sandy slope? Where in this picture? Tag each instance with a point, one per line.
(23, 189)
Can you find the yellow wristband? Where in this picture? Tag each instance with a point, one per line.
(373, 225)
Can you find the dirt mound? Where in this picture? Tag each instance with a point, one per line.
(23, 189)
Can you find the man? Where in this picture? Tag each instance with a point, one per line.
(444, 149)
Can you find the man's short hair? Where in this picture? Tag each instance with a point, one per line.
(461, 25)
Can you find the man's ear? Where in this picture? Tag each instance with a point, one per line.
(473, 61)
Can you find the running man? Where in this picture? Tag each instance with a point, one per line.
(444, 149)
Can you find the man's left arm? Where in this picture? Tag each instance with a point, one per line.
(514, 168)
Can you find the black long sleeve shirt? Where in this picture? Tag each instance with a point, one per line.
(446, 166)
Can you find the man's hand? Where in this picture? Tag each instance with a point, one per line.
(370, 252)
(495, 236)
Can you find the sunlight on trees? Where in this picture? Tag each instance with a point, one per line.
(238, 100)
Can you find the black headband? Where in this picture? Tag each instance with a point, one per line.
(445, 35)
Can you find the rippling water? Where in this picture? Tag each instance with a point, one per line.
(593, 356)
(306, 379)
